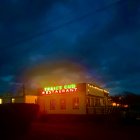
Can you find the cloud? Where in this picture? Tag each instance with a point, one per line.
(7, 78)
(102, 46)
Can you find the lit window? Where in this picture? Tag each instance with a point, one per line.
(126, 106)
(62, 104)
(13, 100)
(118, 104)
(52, 104)
(0, 101)
(76, 103)
(114, 104)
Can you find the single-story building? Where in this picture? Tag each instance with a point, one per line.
(80, 98)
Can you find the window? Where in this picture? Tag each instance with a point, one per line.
(62, 104)
(0, 101)
(76, 103)
(13, 100)
(92, 102)
(97, 102)
(104, 102)
(52, 104)
(88, 102)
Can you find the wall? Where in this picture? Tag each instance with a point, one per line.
(44, 103)
(88, 95)
(31, 99)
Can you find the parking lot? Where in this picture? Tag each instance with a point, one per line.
(82, 131)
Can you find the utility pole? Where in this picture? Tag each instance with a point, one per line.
(23, 89)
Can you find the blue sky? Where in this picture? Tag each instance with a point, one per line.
(49, 42)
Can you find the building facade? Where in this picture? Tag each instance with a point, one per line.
(73, 99)
(83, 98)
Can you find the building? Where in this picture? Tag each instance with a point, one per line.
(73, 99)
(12, 99)
(83, 98)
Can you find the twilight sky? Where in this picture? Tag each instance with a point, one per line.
(53, 42)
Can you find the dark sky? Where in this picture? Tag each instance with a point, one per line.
(45, 42)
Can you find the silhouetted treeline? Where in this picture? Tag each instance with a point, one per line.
(127, 98)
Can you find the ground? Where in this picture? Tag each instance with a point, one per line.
(81, 131)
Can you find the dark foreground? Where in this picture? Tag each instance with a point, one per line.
(82, 131)
(77, 130)
(18, 122)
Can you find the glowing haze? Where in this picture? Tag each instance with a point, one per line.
(56, 73)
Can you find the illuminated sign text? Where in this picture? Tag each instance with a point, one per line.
(60, 89)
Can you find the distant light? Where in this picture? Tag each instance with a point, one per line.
(118, 104)
(114, 104)
(126, 106)
(13, 100)
(0, 101)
